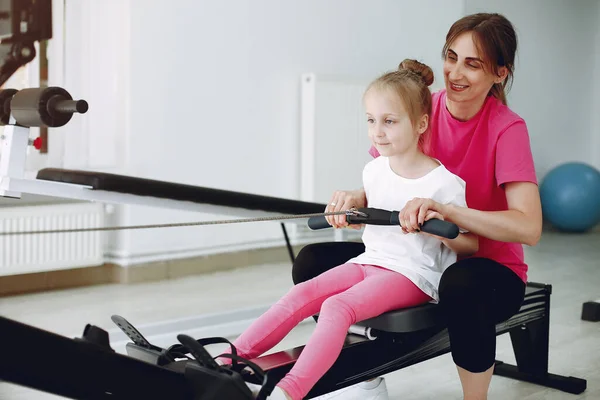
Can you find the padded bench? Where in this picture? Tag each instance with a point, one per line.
(421, 317)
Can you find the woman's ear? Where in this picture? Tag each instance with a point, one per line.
(502, 74)
(423, 124)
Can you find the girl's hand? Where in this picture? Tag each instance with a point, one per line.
(343, 201)
(417, 211)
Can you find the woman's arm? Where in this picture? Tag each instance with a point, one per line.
(521, 223)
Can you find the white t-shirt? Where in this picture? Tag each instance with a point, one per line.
(420, 257)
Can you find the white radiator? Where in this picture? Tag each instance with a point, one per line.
(54, 251)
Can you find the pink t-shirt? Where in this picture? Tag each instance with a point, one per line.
(490, 149)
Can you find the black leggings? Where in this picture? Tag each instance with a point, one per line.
(476, 294)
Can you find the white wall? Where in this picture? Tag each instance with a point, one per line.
(554, 75)
(213, 94)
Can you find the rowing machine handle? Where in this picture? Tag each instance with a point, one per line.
(377, 216)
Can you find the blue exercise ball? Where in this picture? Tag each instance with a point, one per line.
(570, 196)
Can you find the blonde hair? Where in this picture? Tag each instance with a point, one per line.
(411, 83)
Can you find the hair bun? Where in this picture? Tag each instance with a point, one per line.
(418, 68)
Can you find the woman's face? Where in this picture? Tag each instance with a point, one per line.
(466, 78)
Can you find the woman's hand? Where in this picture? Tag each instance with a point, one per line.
(432, 215)
(343, 201)
(417, 211)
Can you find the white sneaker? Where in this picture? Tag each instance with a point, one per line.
(373, 390)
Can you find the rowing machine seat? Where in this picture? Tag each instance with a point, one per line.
(417, 318)
(406, 320)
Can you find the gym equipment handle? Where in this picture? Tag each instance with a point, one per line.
(376, 216)
(67, 106)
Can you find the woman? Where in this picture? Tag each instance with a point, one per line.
(480, 139)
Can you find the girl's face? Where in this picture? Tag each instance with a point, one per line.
(389, 125)
(466, 79)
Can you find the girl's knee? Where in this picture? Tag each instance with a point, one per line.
(337, 309)
(302, 290)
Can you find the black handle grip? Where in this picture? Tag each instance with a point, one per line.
(441, 228)
(316, 223)
(377, 216)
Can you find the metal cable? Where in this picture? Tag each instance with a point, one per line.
(172, 225)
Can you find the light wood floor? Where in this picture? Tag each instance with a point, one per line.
(571, 263)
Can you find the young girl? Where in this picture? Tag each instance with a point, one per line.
(397, 270)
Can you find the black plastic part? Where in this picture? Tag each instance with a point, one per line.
(97, 336)
(216, 384)
(411, 319)
(213, 382)
(591, 311)
(198, 351)
(377, 216)
(417, 318)
(316, 223)
(76, 369)
(178, 350)
(568, 384)
(143, 349)
(178, 191)
(131, 332)
(441, 228)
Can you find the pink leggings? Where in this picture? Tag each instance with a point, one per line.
(343, 295)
